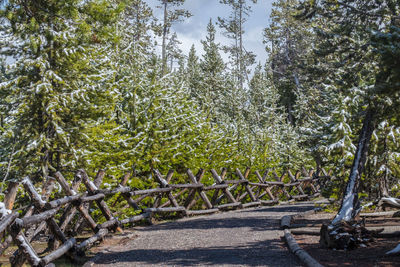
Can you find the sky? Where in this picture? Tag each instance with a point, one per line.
(193, 29)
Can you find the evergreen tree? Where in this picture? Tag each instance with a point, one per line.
(213, 88)
(233, 27)
(193, 73)
(173, 52)
(287, 39)
(172, 14)
(138, 14)
(354, 48)
(272, 138)
(59, 82)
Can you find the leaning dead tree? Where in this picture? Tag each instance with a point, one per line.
(344, 232)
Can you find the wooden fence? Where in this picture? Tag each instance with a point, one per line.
(63, 217)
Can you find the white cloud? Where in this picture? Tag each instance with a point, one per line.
(192, 30)
(254, 42)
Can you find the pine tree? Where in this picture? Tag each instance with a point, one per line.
(348, 49)
(213, 87)
(60, 81)
(274, 141)
(172, 14)
(139, 16)
(382, 168)
(173, 52)
(193, 74)
(233, 28)
(287, 42)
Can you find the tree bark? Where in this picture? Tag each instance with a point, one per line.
(11, 194)
(164, 40)
(343, 232)
(350, 206)
(383, 180)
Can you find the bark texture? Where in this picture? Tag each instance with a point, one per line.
(344, 232)
(350, 206)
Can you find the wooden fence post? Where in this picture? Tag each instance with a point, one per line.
(226, 192)
(201, 193)
(70, 192)
(91, 187)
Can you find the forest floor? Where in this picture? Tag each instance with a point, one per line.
(370, 256)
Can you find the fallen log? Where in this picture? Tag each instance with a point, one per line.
(300, 253)
(63, 249)
(305, 232)
(136, 218)
(90, 241)
(286, 221)
(201, 212)
(7, 221)
(228, 205)
(163, 210)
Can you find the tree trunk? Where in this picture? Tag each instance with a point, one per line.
(164, 40)
(350, 206)
(384, 185)
(383, 180)
(343, 233)
(241, 59)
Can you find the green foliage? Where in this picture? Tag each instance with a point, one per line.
(59, 83)
(354, 62)
(86, 89)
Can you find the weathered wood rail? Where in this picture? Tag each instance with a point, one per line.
(64, 217)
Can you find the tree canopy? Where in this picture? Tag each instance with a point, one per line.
(104, 84)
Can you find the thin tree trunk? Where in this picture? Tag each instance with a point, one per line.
(241, 67)
(342, 233)
(384, 185)
(383, 180)
(164, 40)
(350, 206)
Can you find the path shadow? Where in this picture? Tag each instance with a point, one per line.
(283, 209)
(265, 253)
(256, 223)
(204, 223)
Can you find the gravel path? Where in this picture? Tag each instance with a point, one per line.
(249, 237)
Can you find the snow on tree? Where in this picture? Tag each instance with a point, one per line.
(60, 80)
(172, 14)
(347, 45)
(213, 85)
(233, 28)
(173, 52)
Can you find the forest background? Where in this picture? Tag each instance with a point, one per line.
(88, 88)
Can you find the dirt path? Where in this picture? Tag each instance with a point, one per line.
(248, 237)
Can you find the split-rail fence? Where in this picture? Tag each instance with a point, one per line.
(63, 217)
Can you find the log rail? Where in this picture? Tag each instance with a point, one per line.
(63, 218)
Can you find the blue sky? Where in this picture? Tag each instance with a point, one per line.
(192, 30)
